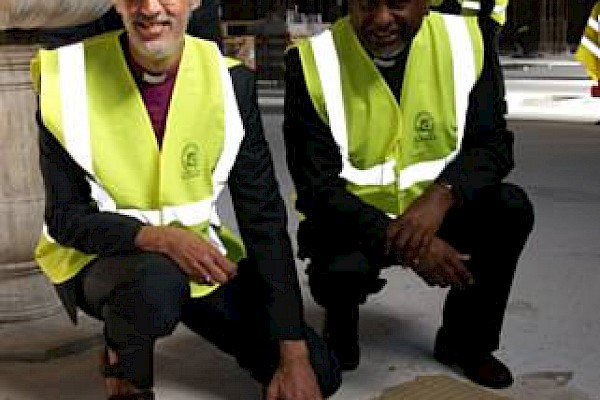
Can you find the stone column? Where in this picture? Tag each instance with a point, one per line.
(25, 294)
(28, 14)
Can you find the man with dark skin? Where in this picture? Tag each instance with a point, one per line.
(401, 158)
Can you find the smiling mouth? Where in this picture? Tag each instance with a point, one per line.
(386, 39)
(151, 29)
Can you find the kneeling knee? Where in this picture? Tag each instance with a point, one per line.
(519, 209)
(157, 294)
(342, 288)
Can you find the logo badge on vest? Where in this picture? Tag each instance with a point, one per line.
(190, 163)
(423, 126)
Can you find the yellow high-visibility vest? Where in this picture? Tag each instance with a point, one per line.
(472, 7)
(90, 102)
(392, 151)
(588, 51)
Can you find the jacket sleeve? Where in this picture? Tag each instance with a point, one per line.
(486, 156)
(262, 218)
(314, 161)
(70, 214)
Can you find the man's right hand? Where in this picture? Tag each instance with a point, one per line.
(442, 265)
(410, 234)
(199, 259)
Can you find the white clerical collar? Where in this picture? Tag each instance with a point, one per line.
(384, 62)
(388, 60)
(153, 78)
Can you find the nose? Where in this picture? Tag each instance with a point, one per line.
(150, 7)
(382, 15)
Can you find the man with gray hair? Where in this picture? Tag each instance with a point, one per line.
(140, 132)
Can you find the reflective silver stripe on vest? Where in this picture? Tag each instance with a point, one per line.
(476, 6)
(328, 68)
(188, 214)
(75, 120)
(234, 134)
(464, 73)
(471, 5)
(592, 23)
(500, 9)
(591, 46)
(78, 143)
(588, 43)
(46, 233)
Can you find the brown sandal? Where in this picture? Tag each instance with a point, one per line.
(114, 371)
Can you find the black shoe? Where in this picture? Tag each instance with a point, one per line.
(482, 368)
(341, 335)
(347, 353)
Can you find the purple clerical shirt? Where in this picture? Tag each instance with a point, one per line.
(156, 96)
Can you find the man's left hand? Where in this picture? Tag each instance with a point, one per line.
(411, 234)
(294, 379)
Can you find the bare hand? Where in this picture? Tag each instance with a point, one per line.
(410, 235)
(294, 379)
(198, 258)
(442, 265)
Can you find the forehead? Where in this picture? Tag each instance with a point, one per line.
(370, 4)
(164, 3)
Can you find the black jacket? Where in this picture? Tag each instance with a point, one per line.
(260, 212)
(486, 157)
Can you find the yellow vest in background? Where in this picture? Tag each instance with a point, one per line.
(588, 52)
(472, 7)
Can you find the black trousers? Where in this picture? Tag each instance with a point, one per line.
(141, 297)
(493, 229)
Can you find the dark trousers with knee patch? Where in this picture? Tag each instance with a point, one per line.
(141, 297)
(493, 228)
